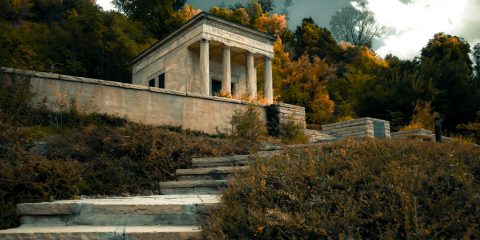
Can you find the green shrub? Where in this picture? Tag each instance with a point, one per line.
(355, 190)
(292, 133)
(248, 126)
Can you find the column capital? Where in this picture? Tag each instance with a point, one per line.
(249, 53)
(225, 46)
(204, 40)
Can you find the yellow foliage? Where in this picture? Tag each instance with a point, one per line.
(188, 12)
(423, 117)
(276, 24)
(373, 57)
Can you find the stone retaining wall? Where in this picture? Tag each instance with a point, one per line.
(288, 112)
(416, 134)
(358, 128)
(140, 104)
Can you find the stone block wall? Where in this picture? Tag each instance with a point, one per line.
(288, 112)
(415, 134)
(359, 128)
(138, 103)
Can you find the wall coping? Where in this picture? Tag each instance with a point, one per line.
(56, 76)
(365, 119)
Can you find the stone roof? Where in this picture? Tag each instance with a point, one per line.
(202, 17)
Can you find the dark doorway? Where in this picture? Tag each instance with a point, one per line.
(161, 80)
(216, 87)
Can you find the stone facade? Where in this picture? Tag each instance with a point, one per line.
(206, 55)
(359, 128)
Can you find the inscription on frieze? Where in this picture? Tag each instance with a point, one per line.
(238, 38)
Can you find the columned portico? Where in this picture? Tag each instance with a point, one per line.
(227, 71)
(205, 67)
(251, 84)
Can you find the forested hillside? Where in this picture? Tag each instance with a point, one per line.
(334, 80)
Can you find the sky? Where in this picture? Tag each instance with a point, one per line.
(410, 24)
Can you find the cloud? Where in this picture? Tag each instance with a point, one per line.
(106, 4)
(412, 23)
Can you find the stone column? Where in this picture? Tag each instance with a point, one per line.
(227, 71)
(204, 67)
(268, 88)
(251, 93)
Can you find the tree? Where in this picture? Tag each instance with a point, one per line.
(286, 5)
(160, 17)
(476, 59)
(356, 24)
(313, 40)
(267, 5)
(305, 85)
(445, 60)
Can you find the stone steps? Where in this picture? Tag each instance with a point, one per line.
(229, 161)
(173, 215)
(134, 211)
(210, 173)
(102, 233)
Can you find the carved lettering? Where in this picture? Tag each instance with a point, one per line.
(238, 38)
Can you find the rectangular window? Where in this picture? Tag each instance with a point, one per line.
(161, 80)
(216, 87)
(151, 83)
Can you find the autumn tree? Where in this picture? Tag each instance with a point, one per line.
(356, 24)
(71, 37)
(305, 85)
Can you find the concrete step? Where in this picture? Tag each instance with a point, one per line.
(193, 187)
(132, 211)
(102, 233)
(211, 173)
(236, 160)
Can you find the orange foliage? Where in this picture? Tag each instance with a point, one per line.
(188, 12)
(276, 24)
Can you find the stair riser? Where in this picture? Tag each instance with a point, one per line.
(192, 190)
(218, 164)
(103, 236)
(219, 176)
(121, 215)
(111, 220)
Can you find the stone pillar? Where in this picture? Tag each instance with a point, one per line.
(227, 71)
(251, 93)
(205, 67)
(268, 88)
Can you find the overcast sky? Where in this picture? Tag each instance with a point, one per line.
(410, 23)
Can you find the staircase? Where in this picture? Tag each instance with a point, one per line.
(172, 215)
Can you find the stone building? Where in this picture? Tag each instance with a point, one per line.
(207, 55)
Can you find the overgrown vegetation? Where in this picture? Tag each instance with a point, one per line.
(46, 155)
(355, 190)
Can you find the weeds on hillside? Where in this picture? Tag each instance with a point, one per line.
(47, 155)
(355, 190)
